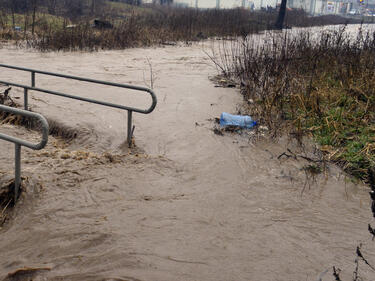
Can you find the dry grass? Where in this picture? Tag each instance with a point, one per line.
(322, 86)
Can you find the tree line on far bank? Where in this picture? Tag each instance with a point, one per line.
(70, 8)
(53, 25)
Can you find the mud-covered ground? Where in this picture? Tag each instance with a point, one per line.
(186, 203)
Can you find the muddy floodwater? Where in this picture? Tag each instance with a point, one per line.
(186, 203)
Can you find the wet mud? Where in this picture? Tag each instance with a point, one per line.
(186, 203)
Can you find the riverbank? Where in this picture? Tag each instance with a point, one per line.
(315, 84)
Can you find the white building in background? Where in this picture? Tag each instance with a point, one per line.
(210, 4)
(226, 4)
(324, 7)
(314, 7)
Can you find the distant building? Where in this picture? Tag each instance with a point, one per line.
(326, 7)
(313, 7)
(219, 4)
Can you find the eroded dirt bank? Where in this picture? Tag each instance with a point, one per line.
(187, 204)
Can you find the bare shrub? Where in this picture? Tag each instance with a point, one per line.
(316, 84)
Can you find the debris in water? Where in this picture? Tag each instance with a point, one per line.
(372, 231)
(4, 96)
(232, 129)
(6, 197)
(223, 82)
(313, 169)
(218, 132)
(242, 121)
(336, 273)
(24, 272)
(65, 156)
(169, 43)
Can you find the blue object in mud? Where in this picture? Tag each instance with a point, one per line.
(227, 119)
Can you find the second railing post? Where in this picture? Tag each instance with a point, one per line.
(26, 92)
(25, 99)
(130, 130)
(32, 79)
(17, 171)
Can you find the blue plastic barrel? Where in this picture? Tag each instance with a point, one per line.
(243, 121)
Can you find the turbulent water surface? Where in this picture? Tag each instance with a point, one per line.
(186, 204)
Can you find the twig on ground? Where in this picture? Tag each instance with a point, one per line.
(26, 270)
(6, 206)
(355, 272)
(286, 155)
(336, 274)
(152, 75)
(372, 231)
(359, 254)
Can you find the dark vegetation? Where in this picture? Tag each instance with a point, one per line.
(6, 197)
(68, 25)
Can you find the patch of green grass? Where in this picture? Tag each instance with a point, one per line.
(345, 124)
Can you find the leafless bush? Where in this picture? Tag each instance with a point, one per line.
(162, 24)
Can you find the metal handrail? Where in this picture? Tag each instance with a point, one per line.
(126, 86)
(20, 142)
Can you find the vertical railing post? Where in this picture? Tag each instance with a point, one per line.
(130, 130)
(25, 92)
(17, 171)
(32, 79)
(25, 98)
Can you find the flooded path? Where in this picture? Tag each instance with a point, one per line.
(186, 204)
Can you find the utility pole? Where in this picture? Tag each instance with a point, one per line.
(280, 19)
(217, 4)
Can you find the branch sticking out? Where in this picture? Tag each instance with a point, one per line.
(336, 273)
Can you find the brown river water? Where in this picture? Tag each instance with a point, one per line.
(185, 204)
